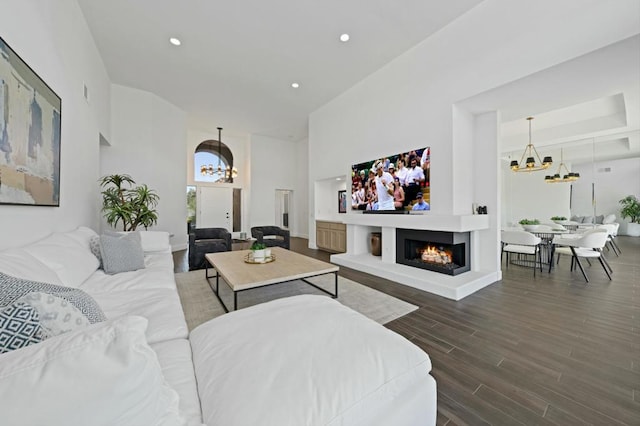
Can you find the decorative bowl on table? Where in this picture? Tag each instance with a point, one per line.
(532, 228)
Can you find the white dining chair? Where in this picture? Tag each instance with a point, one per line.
(521, 242)
(589, 245)
(612, 231)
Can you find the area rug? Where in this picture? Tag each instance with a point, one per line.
(200, 304)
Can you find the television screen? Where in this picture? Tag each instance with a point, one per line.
(399, 182)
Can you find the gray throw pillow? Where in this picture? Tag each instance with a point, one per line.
(94, 245)
(599, 219)
(13, 288)
(121, 253)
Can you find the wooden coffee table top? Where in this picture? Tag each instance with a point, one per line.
(288, 265)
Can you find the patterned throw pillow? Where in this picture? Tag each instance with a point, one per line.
(94, 245)
(57, 315)
(19, 327)
(121, 253)
(12, 289)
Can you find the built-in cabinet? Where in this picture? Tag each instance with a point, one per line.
(331, 236)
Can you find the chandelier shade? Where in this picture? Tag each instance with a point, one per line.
(559, 177)
(530, 160)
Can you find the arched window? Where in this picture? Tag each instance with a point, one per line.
(213, 162)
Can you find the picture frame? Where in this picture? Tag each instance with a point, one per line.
(342, 201)
(30, 134)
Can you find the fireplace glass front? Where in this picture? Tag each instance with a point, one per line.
(438, 251)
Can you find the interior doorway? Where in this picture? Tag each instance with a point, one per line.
(283, 207)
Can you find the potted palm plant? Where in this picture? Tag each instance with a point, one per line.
(631, 209)
(124, 202)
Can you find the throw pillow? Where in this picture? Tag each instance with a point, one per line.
(599, 219)
(19, 327)
(13, 288)
(103, 374)
(587, 219)
(610, 218)
(57, 315)
(94, 245)
(121, 253)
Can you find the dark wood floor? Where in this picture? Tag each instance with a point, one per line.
(525, 350)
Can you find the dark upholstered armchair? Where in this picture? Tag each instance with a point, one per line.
(281, 236)
(206, 240)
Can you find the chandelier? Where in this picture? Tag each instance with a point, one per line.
(532, 164)
(224, 173)
(558, 177)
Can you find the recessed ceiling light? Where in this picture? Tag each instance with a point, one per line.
(175, 41)
(344, 38)
(295, 85)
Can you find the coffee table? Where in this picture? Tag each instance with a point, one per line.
(288, 266)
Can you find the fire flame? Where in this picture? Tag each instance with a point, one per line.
(433, 254)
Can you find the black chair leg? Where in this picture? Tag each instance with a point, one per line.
(584, 274)
(604, 259)
(605, 268)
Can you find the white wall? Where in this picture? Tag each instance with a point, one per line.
(528, 196)
(53, 39)
(148, 136)
(301, 199)
(409, 101)
(621, 180)
(273, 166)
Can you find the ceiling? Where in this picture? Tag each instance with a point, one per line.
(588, 107)
(238, 59)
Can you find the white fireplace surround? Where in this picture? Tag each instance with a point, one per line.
(359, 257)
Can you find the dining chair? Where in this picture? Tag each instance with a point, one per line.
(588, 245)
(612, 231)
(522, 242)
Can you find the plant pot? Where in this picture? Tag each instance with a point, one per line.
(633, 229)
(258, 254)
(531, 228)
(267, 252)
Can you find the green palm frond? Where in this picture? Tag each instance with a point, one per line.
(123, 202)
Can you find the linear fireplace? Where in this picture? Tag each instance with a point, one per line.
(438, 251)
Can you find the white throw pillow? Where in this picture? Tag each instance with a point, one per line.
(19, 263)
(68, 254)
(104, 374)
(57, 315)
(155, 241)
(610, 218)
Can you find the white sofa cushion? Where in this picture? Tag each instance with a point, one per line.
(67, 254)
(161, 306)
(104, 374)
(177, 368)
(156, 274)
(247, 361)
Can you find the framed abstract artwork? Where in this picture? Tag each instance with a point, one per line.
(30, 125)
(342, 201)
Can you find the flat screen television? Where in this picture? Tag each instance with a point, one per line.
(398, 183)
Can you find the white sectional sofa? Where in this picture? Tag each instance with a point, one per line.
(304, 360)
